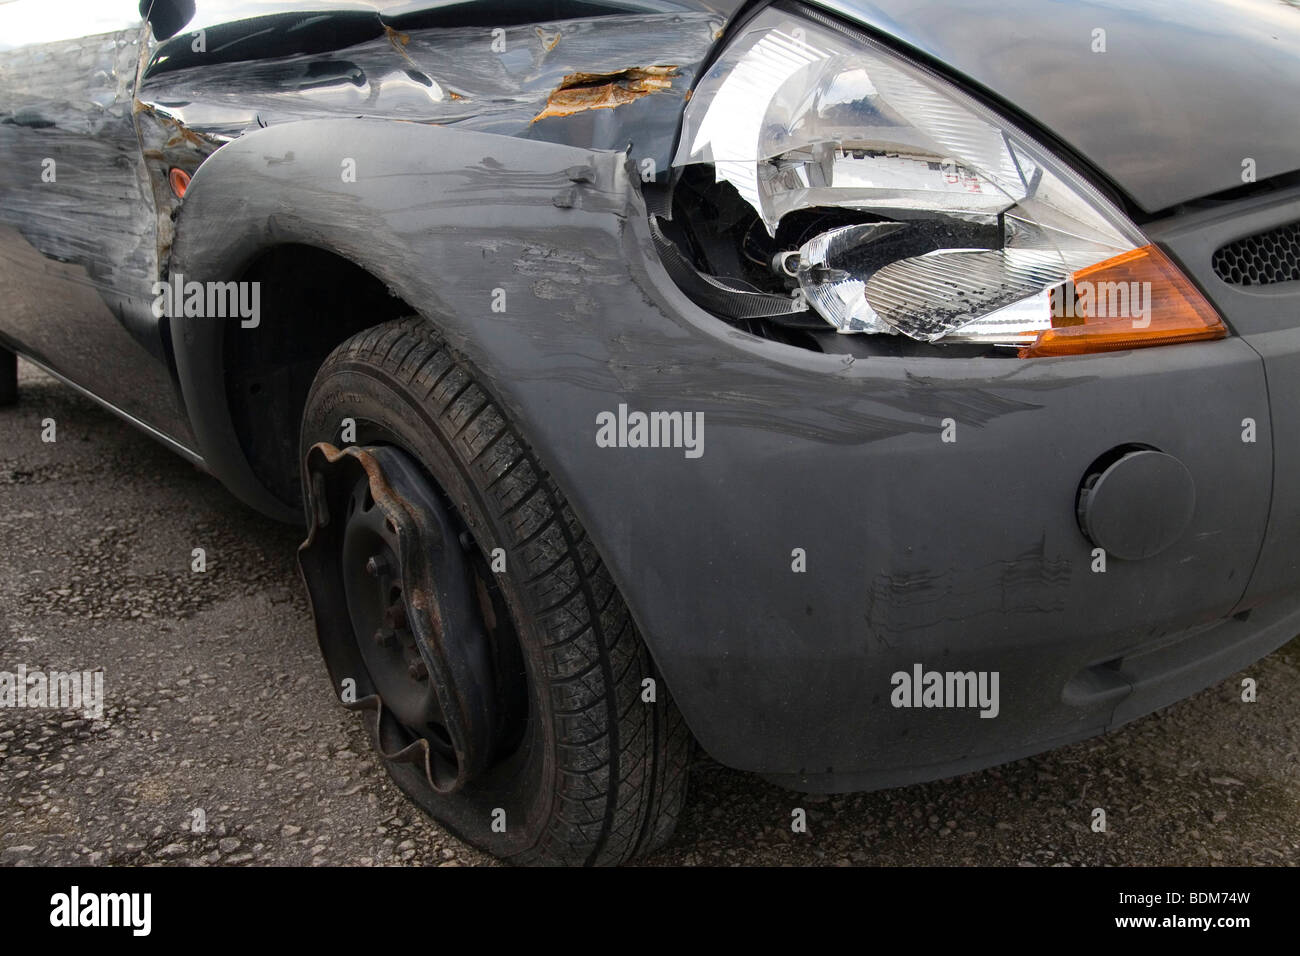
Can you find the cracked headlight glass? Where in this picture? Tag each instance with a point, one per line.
(969, 230)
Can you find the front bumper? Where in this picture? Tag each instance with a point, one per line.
(962, 556)
(956, 556)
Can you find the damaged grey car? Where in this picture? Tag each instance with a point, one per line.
(864, 391)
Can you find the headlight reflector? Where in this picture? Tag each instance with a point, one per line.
(971, 230)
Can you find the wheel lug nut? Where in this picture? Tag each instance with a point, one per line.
(395, 616)
(419, 671)
(384, 637)
(376, 565)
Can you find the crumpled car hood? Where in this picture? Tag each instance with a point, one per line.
(1185, 92)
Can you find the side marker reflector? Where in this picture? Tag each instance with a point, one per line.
(180, 181)
(1136, 299)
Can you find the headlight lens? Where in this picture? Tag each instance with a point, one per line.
(970, 230)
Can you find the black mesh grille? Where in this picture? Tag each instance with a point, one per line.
(1261, 259)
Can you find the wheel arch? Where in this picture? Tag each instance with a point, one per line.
(351, 193)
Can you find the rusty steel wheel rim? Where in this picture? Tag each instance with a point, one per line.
(397, 611)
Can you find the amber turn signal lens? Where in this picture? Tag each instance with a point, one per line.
(180, 181)
(1136, 299)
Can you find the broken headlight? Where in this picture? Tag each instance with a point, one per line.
(948, 223)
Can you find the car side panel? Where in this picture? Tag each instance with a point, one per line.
(78, 239)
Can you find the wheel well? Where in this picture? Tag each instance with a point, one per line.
(311, 300)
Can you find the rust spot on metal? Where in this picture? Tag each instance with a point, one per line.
(580, 92)
(184, 134)
(180, 133)
(420, 601)
(486, 606)
(399, 41)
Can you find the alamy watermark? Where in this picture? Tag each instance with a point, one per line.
(56, 690)
(175, 298)
(133, 911)
(626, 429)
(948, 689)
(1104, 300)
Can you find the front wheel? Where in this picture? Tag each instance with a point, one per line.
(461, 606)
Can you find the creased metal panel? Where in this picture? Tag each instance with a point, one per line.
(579, 82)
(78, 249)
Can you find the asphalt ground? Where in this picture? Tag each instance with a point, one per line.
(221, 742)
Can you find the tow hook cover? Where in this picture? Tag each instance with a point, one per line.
(1138, 505)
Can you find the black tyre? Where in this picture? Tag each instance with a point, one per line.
(582, 769)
